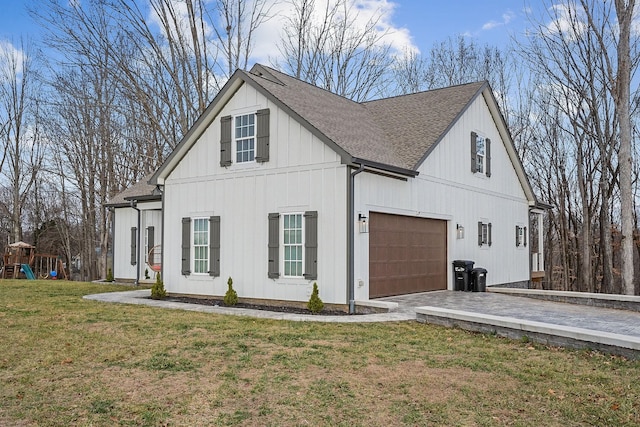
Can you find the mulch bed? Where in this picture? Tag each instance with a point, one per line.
(276, 308)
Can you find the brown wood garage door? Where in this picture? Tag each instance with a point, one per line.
(406, 255)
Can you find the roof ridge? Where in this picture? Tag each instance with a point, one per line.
(479, 82)
(299, 80)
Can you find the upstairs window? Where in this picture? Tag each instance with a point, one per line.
(480, 154)
(245, 132)
(246, 136)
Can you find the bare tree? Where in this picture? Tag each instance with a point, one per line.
(328, 49)
(410, 73)
(624, 12)
(238, 21)
(573, 50)
(21, 138)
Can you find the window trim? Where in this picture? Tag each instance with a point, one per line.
(301, 244)
(481, 164)
(149, 232)
(235, 139)
(206, 235)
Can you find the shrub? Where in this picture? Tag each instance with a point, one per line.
(315, 304)
(109, 276)
(146, 274)
(231, 297)
(157, 290)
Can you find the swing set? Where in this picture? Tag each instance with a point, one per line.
(22, 261)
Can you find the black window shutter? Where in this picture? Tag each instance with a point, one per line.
(479, 233)
(225, 141)
(474, 150)
(487, 160)
(274, 246)
(186, 246)
(489, 233)
(134, 245)
(262, 136)
(525, 236)
(151, 240)
(311, 245)
(214, 246)
(517, 235)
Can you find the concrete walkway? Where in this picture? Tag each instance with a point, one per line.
(553, 323)
(141, 297)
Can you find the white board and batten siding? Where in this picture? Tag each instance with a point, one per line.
(302, 174)
(125, 219)
(446, 189)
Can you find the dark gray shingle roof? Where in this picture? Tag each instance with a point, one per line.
(141, 190)
(396, 131)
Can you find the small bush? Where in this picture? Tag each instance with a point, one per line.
(231, 297)
(315, 304)
(146, 274)
(157, 290)
(109, 276)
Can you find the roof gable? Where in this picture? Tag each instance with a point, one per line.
(415, 123)
(394, 134)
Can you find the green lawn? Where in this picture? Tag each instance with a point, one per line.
(66, 361)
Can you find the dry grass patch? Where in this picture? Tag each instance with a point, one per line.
(68, 361)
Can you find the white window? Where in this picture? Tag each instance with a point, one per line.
(293, 245)
(201, 245)
(480, 154)
(146, 245)
(245, 132)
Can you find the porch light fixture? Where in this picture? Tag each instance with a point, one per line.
(459, 231)
(363, 223)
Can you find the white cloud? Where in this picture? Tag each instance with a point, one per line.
(11, 60)
(567, 20)
(182, 25)
(506, 18)
(269, 33)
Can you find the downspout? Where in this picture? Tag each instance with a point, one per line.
(112, 211)
(530, 281)
(160, 189)
(351, 231)
(133, 206)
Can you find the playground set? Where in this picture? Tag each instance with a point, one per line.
(22, 261)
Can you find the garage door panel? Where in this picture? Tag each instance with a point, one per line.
(406, 254)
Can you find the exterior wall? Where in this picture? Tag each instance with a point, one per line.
(447, 189)
(302, 174)
(125, 218)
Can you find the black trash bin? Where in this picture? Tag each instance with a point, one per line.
(462, 275)
(479, 279)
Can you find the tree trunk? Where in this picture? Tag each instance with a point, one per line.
(624, 11)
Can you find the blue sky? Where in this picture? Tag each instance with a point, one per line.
(423, 22)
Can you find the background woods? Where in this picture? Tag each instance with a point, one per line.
(113, 85)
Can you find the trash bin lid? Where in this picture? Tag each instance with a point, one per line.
(463, 263)
(479, 270)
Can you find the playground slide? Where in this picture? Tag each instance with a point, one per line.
(28, 272)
